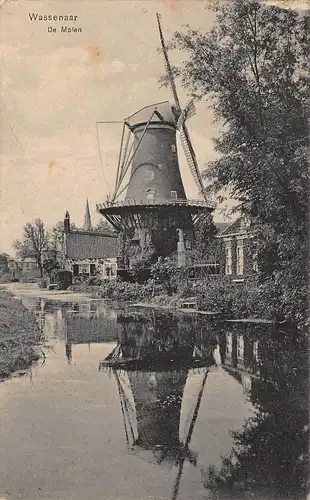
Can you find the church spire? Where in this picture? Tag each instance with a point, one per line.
(87, 219)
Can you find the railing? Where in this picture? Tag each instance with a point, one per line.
(132, 203)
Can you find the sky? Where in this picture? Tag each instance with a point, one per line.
(56, 86)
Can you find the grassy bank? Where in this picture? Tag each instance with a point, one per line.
(19, 336)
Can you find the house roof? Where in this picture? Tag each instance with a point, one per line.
(235, 227)
(88, 245)
(221, 225)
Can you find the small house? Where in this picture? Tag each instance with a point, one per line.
(27, 267)
(89, 253)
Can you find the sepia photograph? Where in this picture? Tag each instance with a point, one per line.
(154, 250)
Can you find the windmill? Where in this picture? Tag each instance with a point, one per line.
(155, 207)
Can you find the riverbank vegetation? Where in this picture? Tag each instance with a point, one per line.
(169, 286)
(20, 336)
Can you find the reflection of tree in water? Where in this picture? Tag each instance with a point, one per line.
(270, 456)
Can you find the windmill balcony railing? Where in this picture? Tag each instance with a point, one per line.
(175, 201)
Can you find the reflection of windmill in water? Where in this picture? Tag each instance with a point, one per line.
(151, 371)
(155, 208)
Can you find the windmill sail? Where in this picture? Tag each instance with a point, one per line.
(191, 157)
(167, 64)
(185, 114)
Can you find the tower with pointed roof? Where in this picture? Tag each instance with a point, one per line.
(87, 218)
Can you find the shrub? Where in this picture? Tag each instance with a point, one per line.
(6, 277)
(165, 272)
(95, 281)
(124, 291)
(186, 288)
(215, 295)
(250, 299)
(62, 278)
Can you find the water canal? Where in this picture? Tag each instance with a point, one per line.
(141, 405)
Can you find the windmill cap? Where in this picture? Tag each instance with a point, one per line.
(162, 112)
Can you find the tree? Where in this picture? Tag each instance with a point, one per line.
(56, 242)
(56, 236)
(206, 246)
(34, 243)
(253, 67)
(103, 226)
(51, 265)
(141, 257)
(4, 259)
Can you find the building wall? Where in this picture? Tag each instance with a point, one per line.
(238, 249)
(101, 268)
